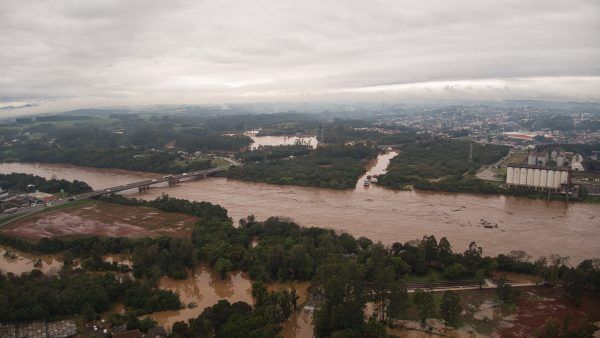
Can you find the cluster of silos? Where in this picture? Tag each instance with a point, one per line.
(536, 177)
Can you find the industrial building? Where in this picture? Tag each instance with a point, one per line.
(538, 177)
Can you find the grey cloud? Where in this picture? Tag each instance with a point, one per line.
(187, 51)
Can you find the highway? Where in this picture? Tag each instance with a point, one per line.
(21, 212)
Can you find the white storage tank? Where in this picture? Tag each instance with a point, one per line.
(550, 181)
(509, 175)
(544, 178)
(536, 177)
(564, 177)
(529, 177)
(523, 176)
(557, 178)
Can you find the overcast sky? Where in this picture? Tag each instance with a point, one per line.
(63, 54)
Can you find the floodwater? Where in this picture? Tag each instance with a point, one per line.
(17, 262)
(280, 140)
(203, 288)
(299, 324)
(536, 226)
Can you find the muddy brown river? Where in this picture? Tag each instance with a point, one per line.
(536, 226)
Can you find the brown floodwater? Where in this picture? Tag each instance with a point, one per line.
(280, 140)
(204, 288)
(17, 262)
(299, 325)
(536, 226)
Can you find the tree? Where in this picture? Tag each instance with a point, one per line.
(574, 282)
(550, 329)
(445, 251)
(454, 271)
(384, 279)
(479, 277)
(398, 300)
(374, 329)
(341, 283)
(506, 293)
(425, 305)
(223, 266)
(430, 245)
(450, 308)
(89, 313)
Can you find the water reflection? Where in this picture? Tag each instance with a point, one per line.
(13, 261)
(281, 140)
(202, 289)
(299, 325)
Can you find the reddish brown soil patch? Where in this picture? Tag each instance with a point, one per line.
(537, 305)
(103, 219)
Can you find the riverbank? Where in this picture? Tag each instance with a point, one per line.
(536, 226)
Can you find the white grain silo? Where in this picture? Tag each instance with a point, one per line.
(529, 181)
(523, 176)
(509, 175)
(550, 182)
(544, 178)
(564, 177)
(536, 177)
(557, 179)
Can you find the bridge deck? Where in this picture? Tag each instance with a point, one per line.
(158, 180)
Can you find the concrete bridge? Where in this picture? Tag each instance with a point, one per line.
(146, 184)
(141, 186)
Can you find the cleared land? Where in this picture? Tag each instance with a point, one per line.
(95, 218)
(484, 316)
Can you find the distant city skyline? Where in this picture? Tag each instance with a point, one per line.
(62, 55)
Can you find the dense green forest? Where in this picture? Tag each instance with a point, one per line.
(336, 167)
(120, 158)
(22, 182)
(340, 131)
(34, 296)
(152, 144)
(420, 163)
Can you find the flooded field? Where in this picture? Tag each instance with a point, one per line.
(536, 226)
(102, 219)
(13, 261)
(300, 323)
(484, 316)
(202, 289)
(280, 140)
(537, 305)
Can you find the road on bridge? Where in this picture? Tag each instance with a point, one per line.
(24, 211)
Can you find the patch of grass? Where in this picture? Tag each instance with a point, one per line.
(221, 163)
(432, 276)
(591, 199)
